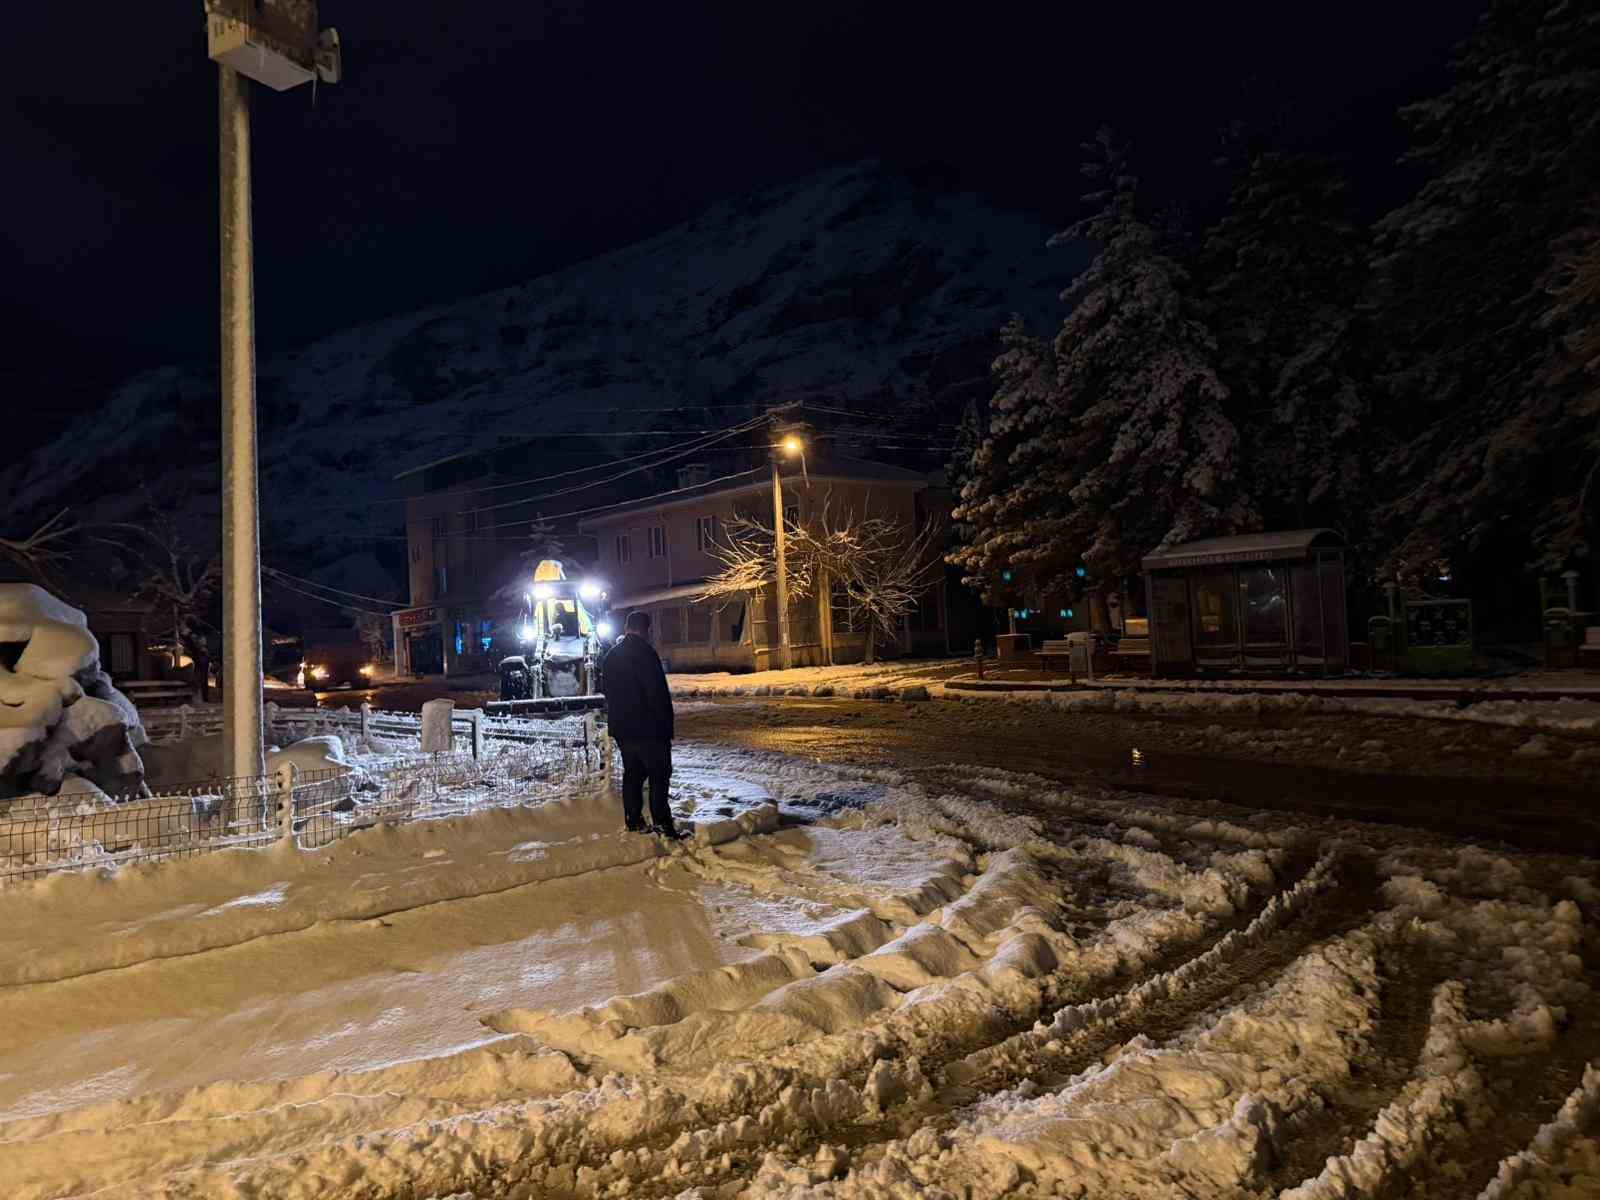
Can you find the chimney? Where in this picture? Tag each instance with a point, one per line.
(693, 474)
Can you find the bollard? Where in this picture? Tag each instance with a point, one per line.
(476, 717)
(977, 655)
(283, 780)
(366, 720)
(183, 722)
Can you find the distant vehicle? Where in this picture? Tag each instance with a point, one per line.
(334, 658)
(564, 633)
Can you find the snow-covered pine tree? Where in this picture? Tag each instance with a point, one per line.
(990, 529)
(1571, 528)
(1139, 449)
(1491, 444)
(1285, 272)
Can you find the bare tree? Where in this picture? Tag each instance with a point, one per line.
(373, 629)
(43, 551)
(882, 565)
(749, 560)
(174, 578)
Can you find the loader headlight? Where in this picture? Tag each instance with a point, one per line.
(542, 591)
(589, 590)
(604, 629)
(526, 632)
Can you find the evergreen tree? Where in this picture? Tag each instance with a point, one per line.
(1285, 271)
(1114, 440)
(1491, 442)
(998, 452)
(1141, 445)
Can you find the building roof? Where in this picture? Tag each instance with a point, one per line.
(1283, 546)
(833, 470)
(681, 591)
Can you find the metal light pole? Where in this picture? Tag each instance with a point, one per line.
(785, 651)
(241, 525)
(275, 42)
(790, 445)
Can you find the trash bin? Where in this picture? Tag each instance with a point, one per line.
(1380, 636)
(1080, 647)
(1560, 638)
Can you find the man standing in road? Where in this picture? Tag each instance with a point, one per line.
(639, 713)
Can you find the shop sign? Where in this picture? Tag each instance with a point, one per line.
(419, 616)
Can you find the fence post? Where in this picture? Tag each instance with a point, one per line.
(366, 720)
(183, 721)
(476, 717)
(605, 758)
(272, 718)
(283, 781)
(590, 736)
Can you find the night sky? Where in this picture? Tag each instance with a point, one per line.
(481, 141)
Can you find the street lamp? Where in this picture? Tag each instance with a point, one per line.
(790, 444)
(274, 42)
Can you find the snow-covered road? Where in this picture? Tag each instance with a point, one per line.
(913, 992)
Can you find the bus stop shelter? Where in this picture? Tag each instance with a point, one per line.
(1268, 602)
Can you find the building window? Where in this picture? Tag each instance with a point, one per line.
(624, 550)
(441, 580)
(658, 541)
(791, 516)
(669, 626)
(438, 527)
(463, 629)
(416, 554)
(705, 533)
(699, 632)
(486, 634)
(845, 616)
(469, 522)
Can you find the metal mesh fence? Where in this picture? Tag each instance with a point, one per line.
(519, 765)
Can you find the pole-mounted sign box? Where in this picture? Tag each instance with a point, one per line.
(274, 42)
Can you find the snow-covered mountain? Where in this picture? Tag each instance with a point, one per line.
(852, 288)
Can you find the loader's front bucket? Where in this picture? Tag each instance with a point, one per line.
(549, 706)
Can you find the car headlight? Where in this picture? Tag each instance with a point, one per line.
(319, 672)
(604, 629)
(369, 670)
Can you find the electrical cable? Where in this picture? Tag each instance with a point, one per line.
(331, 603)
(340, 591)
(594, 483)
(527, 482)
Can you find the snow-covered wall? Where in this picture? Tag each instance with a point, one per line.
(61, 720)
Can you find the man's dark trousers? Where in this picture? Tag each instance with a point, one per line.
(642, 759)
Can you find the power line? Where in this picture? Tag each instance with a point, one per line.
(594, 483)
(331, 603)
(494, 487)
(326, 588)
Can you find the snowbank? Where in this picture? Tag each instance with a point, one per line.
(60, 717)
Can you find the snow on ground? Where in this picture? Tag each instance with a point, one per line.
(888, 992)
(1574, 711)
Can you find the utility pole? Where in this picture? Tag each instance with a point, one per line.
(791, 444)
(275, 42)
(785, 651)
(242, 747)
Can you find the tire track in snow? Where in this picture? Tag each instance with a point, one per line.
(1231, 960)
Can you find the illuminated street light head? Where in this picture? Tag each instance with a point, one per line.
(792, 444)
